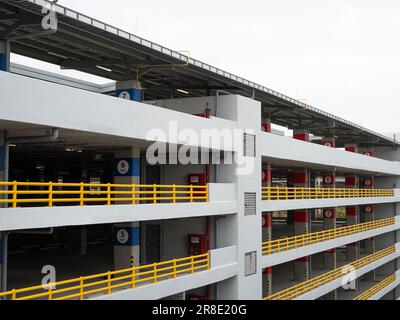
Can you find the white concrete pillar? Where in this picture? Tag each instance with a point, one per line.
(129, 90)
(243, 230)
(126, 236)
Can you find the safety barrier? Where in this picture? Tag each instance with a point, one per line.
(283, 245)
(374, 290)
(309, 285)
(108, 282)
(283, 193)
(51, 194)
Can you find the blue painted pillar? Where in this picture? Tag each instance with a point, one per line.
(1, 259)
(129, 90)
(126, 236)
(4, 56)
(1, 179)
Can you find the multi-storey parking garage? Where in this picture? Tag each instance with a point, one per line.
(173, 181)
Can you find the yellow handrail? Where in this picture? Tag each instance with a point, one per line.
(54, 193)
(290, 243)
(285, 193)
(108, 282)
(309, 285)
(374, 290)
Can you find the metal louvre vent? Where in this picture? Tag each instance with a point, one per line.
(250, 264)
(249, 145)
(250, 204)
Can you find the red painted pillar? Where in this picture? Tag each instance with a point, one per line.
(301, 134)
(301, 217)
(329, 142)
(351, 147)
(353, 218)
(267, 232)
(301, 226)
(267, 126)
(369, 216)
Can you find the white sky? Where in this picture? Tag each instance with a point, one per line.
(343, 56)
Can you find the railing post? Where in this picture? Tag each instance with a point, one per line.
(154, 193)
(155, 272)
(208, 261)
(81, 194)
(109, 194)
(50, 296)
(192, 263)
(50, 194)
(108, 282)
(15, 194)
(134, 200)
(207, 193)
(14, 295)
(191, 194)
(174, 193)
(133, 277)
(174, 270)
(81, 288)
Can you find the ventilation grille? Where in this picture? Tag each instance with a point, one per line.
(250, 204)
(249, 145)
(250, 263)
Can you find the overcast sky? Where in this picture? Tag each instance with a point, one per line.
(343, 56)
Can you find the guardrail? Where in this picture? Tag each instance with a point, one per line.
(374, 290)
(51, 194)
(290, 243)
(108, 282)
(307, 286)
(284, 193)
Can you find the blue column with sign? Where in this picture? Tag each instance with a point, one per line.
(4, 56)
(2, 196)
(129, 90)
(1, 257)
(126, 236)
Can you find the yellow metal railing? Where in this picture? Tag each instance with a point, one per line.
(374, 290)
(290, 243)
(53, 193)
(283, 193)
(307, 286)
(109, 282)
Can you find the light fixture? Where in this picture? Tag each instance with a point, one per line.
(104, 68)
(12, 145)
(182, 91)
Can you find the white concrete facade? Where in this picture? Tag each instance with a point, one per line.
(86, 113)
